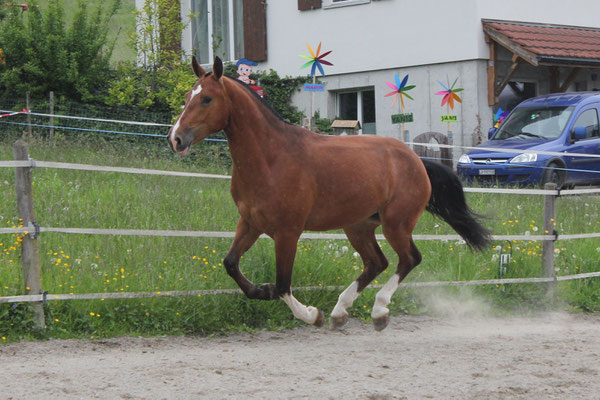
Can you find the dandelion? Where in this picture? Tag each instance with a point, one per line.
(92, 314)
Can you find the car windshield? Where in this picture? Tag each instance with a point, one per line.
(535, 122)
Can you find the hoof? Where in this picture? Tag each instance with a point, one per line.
(320, 321)
(339, 322)
(381, 323)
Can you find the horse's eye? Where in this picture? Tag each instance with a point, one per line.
(206, 100)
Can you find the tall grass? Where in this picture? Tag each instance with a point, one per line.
(100, 264)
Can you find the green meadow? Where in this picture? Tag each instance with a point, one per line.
(104, 264)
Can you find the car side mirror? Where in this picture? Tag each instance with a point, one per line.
(491, 132)
(579, 132)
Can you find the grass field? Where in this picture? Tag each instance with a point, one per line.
(100, 264)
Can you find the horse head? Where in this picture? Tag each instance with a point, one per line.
(206, 110)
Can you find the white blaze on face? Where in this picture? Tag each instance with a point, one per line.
(195, 92)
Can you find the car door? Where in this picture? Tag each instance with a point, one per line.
(585, 169)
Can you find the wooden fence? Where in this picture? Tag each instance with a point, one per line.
(34, 293)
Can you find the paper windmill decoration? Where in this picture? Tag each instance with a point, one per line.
(316, 60)
(499, 117)
(450, 94)
(400, 89)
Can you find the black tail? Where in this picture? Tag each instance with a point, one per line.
(448, 202)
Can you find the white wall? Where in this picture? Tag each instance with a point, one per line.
(398, 33)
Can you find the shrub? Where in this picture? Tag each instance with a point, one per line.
(42, 54)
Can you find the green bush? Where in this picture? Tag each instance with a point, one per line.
(43, 53)
(149, 89)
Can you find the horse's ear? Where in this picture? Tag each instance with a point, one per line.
(218, 68)
(198, 70)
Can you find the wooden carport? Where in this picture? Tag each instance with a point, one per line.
(553, 46)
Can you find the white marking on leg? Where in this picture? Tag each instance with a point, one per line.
(384, 296)
(300, 311)
(345, 300)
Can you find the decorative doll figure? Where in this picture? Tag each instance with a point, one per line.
(244, 69)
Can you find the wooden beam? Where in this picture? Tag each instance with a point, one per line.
(491, 73)
(508, 77)
(570, 79)
(554, 79)
(514, 48)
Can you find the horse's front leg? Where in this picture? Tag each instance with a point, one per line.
(285, 253)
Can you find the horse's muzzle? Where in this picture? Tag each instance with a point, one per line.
(178, 144)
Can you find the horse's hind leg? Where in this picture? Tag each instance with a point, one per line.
(408, 258)
(362, 238)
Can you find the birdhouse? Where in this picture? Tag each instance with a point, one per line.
(344, 127)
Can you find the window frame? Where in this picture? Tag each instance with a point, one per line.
(328, 4)
(359, 104)
(231, 30)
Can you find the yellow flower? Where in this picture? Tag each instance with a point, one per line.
(92, 314)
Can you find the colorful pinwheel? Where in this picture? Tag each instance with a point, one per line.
(400, 90)
(450, 94)
(316, 60)
(499, 117)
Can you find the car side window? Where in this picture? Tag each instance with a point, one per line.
(589, 120)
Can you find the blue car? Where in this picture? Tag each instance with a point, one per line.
(556, 138)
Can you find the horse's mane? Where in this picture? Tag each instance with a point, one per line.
(260, 99)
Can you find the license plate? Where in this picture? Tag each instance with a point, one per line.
(487, 172)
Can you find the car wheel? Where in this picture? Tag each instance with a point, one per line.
(553, 175)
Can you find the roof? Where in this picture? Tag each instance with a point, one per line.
(547, 43)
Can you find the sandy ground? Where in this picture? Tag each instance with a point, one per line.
(554, 356)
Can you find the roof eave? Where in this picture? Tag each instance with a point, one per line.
(568, 61)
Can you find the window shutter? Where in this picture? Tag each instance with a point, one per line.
(304, 5)
(255, 30)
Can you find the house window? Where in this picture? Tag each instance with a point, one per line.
(360, 106)
(343, 3)
(217, 29)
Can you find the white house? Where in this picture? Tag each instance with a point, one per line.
(433, 42)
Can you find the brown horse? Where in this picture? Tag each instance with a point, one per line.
(287, 179)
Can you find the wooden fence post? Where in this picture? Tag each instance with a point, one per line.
(30, 251)
(51, 100)
(28, 105)
(548, 245)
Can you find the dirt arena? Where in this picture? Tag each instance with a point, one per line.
(554, 356)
